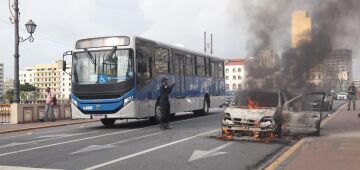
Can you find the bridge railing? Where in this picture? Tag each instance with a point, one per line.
(5, 113)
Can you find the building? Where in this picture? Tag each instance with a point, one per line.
(2, 90)
(8, 84)
(48, 75)
(234, 74)
(263, 70)
(338, 69)
(315, 76)
(300, 28)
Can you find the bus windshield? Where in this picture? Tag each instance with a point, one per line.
(102, 67)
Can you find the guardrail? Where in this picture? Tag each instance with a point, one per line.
(5, 113)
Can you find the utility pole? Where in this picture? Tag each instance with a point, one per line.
(211, 43)
(205, 42)
(16, 54)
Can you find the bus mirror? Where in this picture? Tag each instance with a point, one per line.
(64, 65)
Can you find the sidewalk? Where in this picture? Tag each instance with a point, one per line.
(337, 148)
(7, 128)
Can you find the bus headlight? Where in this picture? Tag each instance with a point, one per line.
(128, 100)
(75, 102)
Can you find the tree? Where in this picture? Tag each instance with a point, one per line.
(27, 87)
(9, 94)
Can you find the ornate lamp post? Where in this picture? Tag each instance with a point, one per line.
(30, 26)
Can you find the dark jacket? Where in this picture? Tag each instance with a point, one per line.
(164, 93)
(352, 90)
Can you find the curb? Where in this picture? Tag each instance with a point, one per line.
(46, 126)
(287, 153)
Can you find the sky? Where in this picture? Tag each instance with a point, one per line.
(61, 23)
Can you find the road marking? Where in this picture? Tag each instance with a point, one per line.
(110, 145)
(22, 168)
(148, 150)
(292, 149)
(199, 154)
(58, 136)
(41, 132)
(77, 140)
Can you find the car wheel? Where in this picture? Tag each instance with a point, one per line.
(156, 119)
(108, 122)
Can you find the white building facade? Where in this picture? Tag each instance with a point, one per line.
(234, 74)
(48, 75)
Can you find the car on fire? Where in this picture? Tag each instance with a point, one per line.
(260, 113)
(229, 96)
(255, 112)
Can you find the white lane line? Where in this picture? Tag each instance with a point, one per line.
(148, 150)
(77, 140)
(22, 168)
(42, 140)
(42, 132)
(110, 145)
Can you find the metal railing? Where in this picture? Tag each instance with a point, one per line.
(5, 113)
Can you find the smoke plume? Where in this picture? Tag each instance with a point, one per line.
(335, 24)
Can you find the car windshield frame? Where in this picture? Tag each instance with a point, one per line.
(242, 100)
(106, 66)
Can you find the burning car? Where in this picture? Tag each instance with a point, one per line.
(255, 113)
(264, 114)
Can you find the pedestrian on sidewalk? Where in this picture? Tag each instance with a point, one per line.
(352, 92)
(164, 102)
(50, 102)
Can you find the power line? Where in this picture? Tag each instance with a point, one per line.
(40, 35)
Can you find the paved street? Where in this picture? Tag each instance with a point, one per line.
(133, 145)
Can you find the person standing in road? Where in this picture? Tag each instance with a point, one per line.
(352, 92)
(164, 102)
(50, 102)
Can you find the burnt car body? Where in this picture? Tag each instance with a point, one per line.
(301, 116)
(263, 113)
(255, 112)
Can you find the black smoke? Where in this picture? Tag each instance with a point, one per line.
(335, 24)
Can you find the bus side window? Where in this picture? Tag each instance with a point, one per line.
(207, 67)
(200, 66)
(190, 65)
(162, 60)
(221, 69)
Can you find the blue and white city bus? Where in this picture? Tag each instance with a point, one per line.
(118, 77)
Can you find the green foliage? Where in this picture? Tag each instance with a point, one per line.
(27, 87)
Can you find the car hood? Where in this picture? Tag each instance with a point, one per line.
(253, 114)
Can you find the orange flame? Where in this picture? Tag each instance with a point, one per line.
(252, 104)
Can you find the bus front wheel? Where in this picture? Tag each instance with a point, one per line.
(108, 122)
(205, 109)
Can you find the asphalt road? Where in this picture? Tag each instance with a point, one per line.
(133, 145)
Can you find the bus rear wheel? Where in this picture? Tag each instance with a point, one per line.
(205, 109)
(156, 119)
(108, 122)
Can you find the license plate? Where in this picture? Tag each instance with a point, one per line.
(98, 116)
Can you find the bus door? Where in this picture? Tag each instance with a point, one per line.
(143, 80)
(179, 71)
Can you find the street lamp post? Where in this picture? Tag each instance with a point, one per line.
(30, 27)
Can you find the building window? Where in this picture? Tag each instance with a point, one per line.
(239, 77)
(227, 78)
(227, 70)
(234, 70)
(319, 76)
(234, 77)
(234, 86)
(239, 69)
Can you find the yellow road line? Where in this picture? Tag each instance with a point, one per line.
(292, 149)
